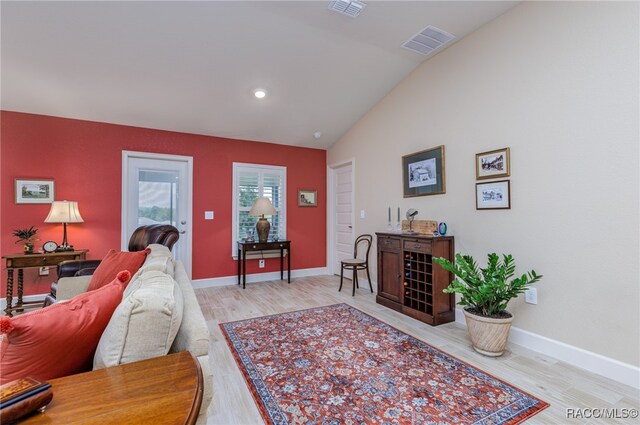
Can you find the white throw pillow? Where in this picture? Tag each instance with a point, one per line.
(145, 323)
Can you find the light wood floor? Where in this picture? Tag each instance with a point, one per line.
(558, 383)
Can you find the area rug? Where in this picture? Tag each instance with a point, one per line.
(337, 365)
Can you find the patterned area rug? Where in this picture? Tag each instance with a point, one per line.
(338, 365)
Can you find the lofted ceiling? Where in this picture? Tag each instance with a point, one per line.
(193, 66)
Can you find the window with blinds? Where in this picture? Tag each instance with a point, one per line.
(251, 181)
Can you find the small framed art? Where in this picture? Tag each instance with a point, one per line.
(307, 198)
(34, 191)
(493, 164)
(493, 195)
(423, 173)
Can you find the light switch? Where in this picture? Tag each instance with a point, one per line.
(361, 213)
(208, 215)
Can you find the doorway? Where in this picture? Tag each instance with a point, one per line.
(158, 189)
(341, 215)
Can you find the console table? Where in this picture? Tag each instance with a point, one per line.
(166, 389)
(244, 247)
(29, 261)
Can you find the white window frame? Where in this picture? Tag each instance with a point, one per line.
(239, 167)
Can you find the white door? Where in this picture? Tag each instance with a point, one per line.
(157, 189)
(343, 215)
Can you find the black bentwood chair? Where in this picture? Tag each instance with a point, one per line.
(361, 246)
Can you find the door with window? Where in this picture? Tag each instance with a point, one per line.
(157, 189)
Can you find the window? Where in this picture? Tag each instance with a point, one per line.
(251, 181)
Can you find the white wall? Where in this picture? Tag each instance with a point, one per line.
(558, 83)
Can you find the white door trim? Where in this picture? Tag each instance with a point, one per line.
(185, 238)
(331, 208)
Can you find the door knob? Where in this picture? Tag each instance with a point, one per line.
(182, 232)
(183, 222)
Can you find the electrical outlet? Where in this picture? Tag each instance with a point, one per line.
(531, 296)
(44, 271)
(261, 264)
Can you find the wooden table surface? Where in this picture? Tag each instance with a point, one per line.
(162, 390)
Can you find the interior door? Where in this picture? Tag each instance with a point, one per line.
(157, 189)
(343, 218)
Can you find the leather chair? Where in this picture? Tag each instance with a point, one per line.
(142, 237)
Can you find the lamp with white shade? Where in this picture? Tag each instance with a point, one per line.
(261, 207)
(64, 212)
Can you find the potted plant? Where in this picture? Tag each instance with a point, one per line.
(26, 236)
(485, 293)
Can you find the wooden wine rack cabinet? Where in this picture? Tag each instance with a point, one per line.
(409, 281)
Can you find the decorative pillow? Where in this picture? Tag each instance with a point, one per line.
(113, 262)
(58, 340)
(145, 323)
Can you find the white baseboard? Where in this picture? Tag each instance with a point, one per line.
(36, 297)
(596, 363)
(256, 277)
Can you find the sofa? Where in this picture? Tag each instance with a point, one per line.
(139, 320)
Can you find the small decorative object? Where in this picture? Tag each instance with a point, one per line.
(34, 191)
(49, 247)
(442, 229)
(389, 224)
(493, 195)
(260, 207)
(411, 213)
(23, 396)
(423, 173)
(27, 237)
(307, 198)
(493, 164)
(485, 294)
(64, 212)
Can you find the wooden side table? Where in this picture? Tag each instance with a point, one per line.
(29, 261)
(244, 247)
(162, 390)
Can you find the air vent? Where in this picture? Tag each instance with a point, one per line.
(428, 40)
(349, 8)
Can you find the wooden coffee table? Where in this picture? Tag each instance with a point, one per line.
(166, 389)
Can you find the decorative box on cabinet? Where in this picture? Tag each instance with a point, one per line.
(408, 280)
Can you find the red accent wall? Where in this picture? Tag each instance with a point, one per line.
(85, 160)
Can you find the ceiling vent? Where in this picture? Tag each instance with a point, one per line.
(428, 40)
(349, 8)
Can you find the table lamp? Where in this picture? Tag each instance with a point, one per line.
(64, 212)
(260, 207)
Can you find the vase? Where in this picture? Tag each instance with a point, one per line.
(28, 248)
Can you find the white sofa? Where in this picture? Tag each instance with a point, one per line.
(192, 334)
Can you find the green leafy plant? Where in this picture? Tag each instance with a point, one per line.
(486, 291)
(25, 235)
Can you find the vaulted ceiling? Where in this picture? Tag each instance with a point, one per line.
(193, 66)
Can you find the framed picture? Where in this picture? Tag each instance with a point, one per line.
(423, 173)
(307, 198)
(493, 164)
(34, 191)
(493, 195)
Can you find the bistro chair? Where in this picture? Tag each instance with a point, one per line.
(360, 261)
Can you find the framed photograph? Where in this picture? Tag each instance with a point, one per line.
(34, 191)
(307, 198)
(423, 173)
(493, 164)
(493, 195)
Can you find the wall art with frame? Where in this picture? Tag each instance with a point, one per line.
(423, 173)
(494, 195)
(34, 191)
(307, 198)
(493, 164)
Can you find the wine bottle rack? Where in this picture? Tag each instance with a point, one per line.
(409, 281)
(418, 282)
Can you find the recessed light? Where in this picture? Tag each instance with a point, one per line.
(259, 93)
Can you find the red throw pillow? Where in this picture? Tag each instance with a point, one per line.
(61, 339)
(113, 262)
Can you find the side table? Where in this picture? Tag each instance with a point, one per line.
(245, 246)
(162, 390)
(29, 261)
